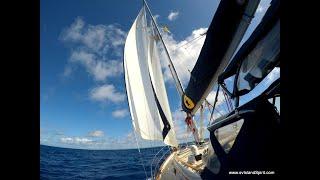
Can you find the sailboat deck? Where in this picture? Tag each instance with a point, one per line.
(183, 155)
(177, 165)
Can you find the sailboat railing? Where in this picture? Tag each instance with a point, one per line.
(154, 159)
(156, 168)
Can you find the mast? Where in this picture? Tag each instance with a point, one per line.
(171, 67)
(173, 72)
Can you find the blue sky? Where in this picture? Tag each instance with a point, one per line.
(82, 93)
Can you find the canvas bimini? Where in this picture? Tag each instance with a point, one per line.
(253, 139)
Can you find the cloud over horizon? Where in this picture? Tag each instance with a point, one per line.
(97, 133)
(76, 140)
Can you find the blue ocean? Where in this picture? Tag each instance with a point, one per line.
(63, 163)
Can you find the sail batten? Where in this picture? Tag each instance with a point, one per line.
(147, 97)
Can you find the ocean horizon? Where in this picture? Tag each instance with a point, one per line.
(68, 163)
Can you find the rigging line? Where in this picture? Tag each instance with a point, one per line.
(216, 108)
(158, 162)
(137, 143)
(190, 55)
(190, 44)
(145, 172)
(226, 99)
(214, 104)
(163, 153)
(222, 109)
(209, 107)
(179, 62)
(154, 159)
(229, 99)
(226, 102)
(174, 73)
(230, 102)
(192, 40)
(179, 58)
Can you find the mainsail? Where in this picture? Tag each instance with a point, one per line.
(147, 97)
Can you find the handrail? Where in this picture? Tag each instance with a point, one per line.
(154, 158)
(157, 166)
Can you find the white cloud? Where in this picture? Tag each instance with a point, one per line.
(96, 133)
(173, 15)
(221, 107)
(66, 140)
(183, 55)
(94, 37)
(98, 68)
(120, 113)
(106, 92)
(76, 140)
(178, 115)
(92, 47)
(73, 33)
(212, 95)
(125, 141)
(82, 140)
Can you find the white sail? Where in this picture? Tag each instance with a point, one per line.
(146, 92)
(158, 82)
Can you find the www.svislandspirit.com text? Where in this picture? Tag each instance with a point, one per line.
(251, 172)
